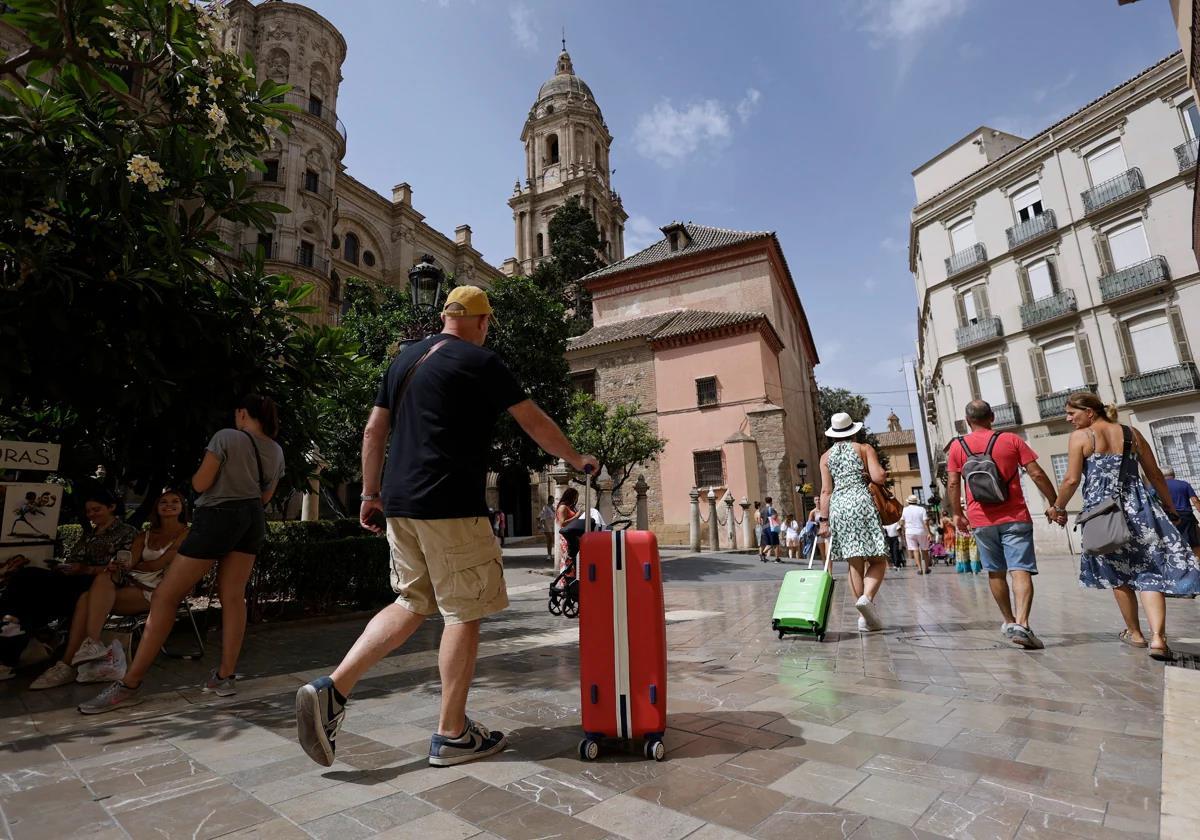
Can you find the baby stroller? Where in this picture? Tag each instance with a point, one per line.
(564, 589)
(937, 553)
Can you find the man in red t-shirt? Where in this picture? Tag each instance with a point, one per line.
(1003, 530)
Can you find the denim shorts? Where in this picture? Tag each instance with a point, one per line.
(1007, 547)
(219, 529)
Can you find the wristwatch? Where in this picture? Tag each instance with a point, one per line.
(369, 497)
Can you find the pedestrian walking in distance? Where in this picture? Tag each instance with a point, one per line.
(1186, 504)
(848, 515)
(238, 476)
(1154, 560)
(989, 463)
(916, 533)
(439, 401)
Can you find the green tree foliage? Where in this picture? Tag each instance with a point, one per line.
(833, 400)
(574, 253)
(128, 327)
(618, 438)
(531, 339)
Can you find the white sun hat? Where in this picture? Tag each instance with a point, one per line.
(842, 425)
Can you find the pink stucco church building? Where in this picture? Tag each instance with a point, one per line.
(706, 332)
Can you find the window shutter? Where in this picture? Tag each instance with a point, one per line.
(1052, 268)
(1023, 281)
(1041, 376)
(1103, 254)
(974, 382)
(1125, 344)
(960, 309)
(1006, 378)
(1179, 334)
(1083, 347)
(981, 303)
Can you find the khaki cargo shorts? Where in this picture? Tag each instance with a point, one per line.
(451, 566)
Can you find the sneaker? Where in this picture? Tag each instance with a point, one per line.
(116, 696)
(109, 669)
(319, 717)
(60, 673)
(867, 610)
(477, 741)
(220, 686)
(88, 651)
(862, 625)
(1006, 629)
(1024, 637)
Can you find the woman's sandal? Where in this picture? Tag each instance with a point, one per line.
(1127, 639)
(1162, 654)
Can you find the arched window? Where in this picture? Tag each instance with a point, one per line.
(351, 249)
(540, 248)
(552, 149)
(336, 242)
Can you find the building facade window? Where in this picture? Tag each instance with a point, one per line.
(1106, 163)
(272, 172)
(1039, 280)
(1128, 245)
(1191, 120)
(541, 248)
(584, 382)
(991, 382)
(312, 180)
(368, 259)
(1059, 464)
(1151, 342)
(335, 286)
(350, 248)
(1027, 203)
(266, 241)
(914, 462)
(709, 468)
(706, 391)
(1175, 441)
(552, 149)
(306, 254)
(962, 235)
(973, 305)
(315, 105)
(1062, 365)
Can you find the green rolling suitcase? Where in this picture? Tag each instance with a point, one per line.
(803, 602)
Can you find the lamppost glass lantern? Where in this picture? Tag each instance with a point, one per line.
(425, 282)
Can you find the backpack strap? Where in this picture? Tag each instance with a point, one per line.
(408, 374)
(991, 443)
(962, 441)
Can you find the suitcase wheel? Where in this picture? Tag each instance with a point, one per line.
(821, 636)
(654, 749)
(589, 750)
(781, 634)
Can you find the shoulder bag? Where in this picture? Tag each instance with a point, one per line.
(1105, 529)
(886, 503)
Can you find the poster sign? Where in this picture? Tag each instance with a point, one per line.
(30, 512)
(21, 455)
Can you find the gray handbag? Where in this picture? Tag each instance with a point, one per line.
(1104, 529)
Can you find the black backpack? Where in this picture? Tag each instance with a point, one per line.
(982, 474)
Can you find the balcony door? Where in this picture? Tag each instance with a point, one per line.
(1191, 120)
(1028, 203)
(1107, 163)
(962, 235)
(1041, 281)
(1128, 245)
(1152, 342)
(991, 384)
(1062, 365)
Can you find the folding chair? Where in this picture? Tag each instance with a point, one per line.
(135, 625)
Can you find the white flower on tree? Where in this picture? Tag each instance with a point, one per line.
(149, 172)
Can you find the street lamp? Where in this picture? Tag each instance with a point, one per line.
(425, 281)
(802, 471)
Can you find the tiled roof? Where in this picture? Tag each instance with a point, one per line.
(904, 437)
(704, 238)
(664, 325)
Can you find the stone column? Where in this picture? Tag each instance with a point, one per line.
(730, 525)
(310, 504)
(747, 523)
(694, 520)
(714, 527)
(604, 497)
(642, 520)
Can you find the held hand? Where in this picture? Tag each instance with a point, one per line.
(586, 461)
(371, 517)
(960, 522)
(1062, 519)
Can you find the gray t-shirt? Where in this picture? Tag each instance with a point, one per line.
(238, 477)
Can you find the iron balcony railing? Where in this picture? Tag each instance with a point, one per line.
(1135, 278)
(1114, 189)
(1185, 153)
(323, 190)
(1176, 379)
(1054, 405)
(1006, 414)
(966, 258)
(317, 111)
(1031, 229)
(978, 333)
(1049, 308)
(277, 177)
(308, 259)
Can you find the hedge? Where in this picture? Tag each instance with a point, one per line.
(319, 566)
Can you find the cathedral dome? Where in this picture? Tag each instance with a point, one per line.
(564, 81)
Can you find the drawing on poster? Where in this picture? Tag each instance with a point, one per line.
(30, 512)
(13, 557)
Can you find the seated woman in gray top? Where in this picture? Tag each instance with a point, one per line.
(240, 471)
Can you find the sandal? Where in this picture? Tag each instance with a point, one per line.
(1162, 654)
(1127, 639)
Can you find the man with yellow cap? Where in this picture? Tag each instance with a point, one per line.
(438, 401)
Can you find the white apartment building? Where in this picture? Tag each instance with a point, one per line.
(1063, 262)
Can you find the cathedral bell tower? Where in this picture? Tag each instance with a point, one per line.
(566, 154)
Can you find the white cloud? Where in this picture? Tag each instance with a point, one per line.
(905, 20)
(1040, 94)
(523, 25)
(748, 104)
(640, 233)
(669, 135)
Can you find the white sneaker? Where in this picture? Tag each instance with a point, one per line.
(862, 625)
(88, 651)
(60, 673)
(108, 669)
(867, 611)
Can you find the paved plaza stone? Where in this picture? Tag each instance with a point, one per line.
(934, 728)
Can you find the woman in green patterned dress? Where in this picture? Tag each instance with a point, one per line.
(848, 514)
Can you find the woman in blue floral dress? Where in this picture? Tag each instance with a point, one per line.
(1156, 562)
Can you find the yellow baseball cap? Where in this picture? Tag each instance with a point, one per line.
(466, 302)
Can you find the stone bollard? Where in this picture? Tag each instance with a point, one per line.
(747, 523)
(561, 475)
(730, 525)
(604, 496)
(642, 520)
(714, 527)
(694, 520)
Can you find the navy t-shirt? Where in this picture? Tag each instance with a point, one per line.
(442, 428)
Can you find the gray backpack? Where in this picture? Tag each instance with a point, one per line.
(982, 474)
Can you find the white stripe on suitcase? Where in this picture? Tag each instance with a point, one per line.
(620, 634)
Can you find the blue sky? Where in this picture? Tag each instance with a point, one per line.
(803, 117)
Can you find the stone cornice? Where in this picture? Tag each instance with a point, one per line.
(761, 326)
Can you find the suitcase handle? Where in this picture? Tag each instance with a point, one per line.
(587, 498)
(646, 571)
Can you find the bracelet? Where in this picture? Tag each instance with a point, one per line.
(368, 497)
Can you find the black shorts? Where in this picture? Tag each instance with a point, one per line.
(770, 537)
(229, 526)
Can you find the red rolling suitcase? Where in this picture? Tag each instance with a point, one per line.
(622, 641)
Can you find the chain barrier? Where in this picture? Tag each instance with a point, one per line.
(703, 518)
